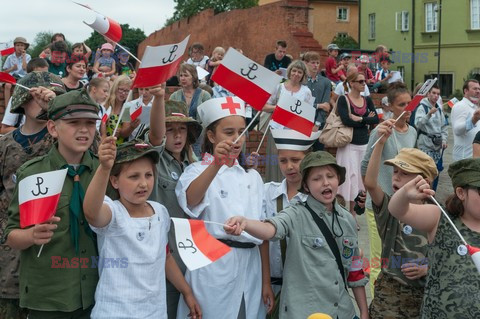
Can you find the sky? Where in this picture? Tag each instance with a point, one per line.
(27, 17)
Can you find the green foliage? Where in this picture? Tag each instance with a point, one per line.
(345, 42)
(188, 8)
(131, 38)
(473, 74)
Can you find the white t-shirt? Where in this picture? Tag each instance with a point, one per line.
(10, 118)
(132, 264)
(202, 63)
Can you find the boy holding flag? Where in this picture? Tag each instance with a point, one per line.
(65, 291)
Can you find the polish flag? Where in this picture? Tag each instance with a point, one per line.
(106, 115)
(380, 113)
(104, 25)
(452, 102)
(295, 114)
(421, 94)
(475, 253)
(414, 103)
(135, 111)
(247, 79)
(159, 64)
(7, 48)
(196, 246)
(38, 196)
(7, 78)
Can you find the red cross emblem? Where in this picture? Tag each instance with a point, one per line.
(231, 106)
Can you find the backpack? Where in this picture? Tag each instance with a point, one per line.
(414, 112)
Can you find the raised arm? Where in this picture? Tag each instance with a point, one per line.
(157, 115)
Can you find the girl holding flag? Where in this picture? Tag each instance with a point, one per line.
(214, 189)
(453, 283)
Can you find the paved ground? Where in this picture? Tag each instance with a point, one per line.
(443, 191)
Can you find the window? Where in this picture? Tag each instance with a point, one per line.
(342, 14)
(474, 14)
(401, 69)
(342, 35)
(371, 26)
(431, 17)
(402, 21)
(445, 82)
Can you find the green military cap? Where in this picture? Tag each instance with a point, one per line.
(75, 104)
(465, 172)
(317, 159)
(33, 79)
(134, 149)
(177, 112)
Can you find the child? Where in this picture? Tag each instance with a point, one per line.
(98, 89)
(173, 137)
(215, 189)
(362, 65)
(332, 70)
(403, 136)
(292, 148)
(312, 280)
(124, 67)
(23, 144)
(47, 289)
(214, 62)
(399, 287)
(58, 60)
(129, 226)
(453, 281)
(105, 65)
(81, 49)
(16, 63)
(383, 75)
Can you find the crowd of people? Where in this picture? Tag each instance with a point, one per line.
(109, 251)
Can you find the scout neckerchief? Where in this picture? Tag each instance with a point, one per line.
(76, 204)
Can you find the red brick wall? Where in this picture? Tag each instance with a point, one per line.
(254, 30)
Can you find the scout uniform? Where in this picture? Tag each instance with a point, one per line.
(312, 281)
(168, 172)
(396, 296)
(453, 282)
(49, 289)
(221, 286)
(132, 253)
(276, 197)
(16, 149)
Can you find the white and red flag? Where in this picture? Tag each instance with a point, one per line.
(452, 102)
(104, 25)
(135, 111)
(7, 48)
(247, 79)
(420, 95)
(475, 253)
(196, 246)
(7, 78)
(106, 115)
(159, 64)
(38, 196)
(295, 114)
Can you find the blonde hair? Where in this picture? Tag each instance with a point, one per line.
(300, 65)
(217, 50)
(121, 80)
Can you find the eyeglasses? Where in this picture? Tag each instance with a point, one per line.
(123, 91)
(360, 81)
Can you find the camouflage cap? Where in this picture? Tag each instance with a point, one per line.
(317, 159)
(75, 104)
(134, 149)
(412, 160)
(177, 112)
(33, 79)
(465, 172)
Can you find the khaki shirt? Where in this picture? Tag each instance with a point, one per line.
(401, 244)
(12, 156)
(57, 281)
(311, 279)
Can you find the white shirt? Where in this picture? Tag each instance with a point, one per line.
(272, 191)
(136, 288)
(12, 59)
(10, 118)
(463, 129)
(340, 90)
(219, 287)
(202, 63)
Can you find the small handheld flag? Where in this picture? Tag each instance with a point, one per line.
(159, 64)
(7, 49)
(196, 246)
(135, 111)
(452, 102)
(7, 78)
(475, 253)
(106, 115)
(245, 78)
(38, 196)
(295, 114)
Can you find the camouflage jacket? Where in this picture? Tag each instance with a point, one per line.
(12, 156)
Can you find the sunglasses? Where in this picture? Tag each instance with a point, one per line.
(360, 81)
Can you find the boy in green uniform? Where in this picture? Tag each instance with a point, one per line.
(17, 147)
(61, 282)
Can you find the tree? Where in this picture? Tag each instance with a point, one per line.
(188, 8)
(345, 42)
(131, 38)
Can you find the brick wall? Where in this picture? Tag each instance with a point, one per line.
(3, 103)
(254, 30)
